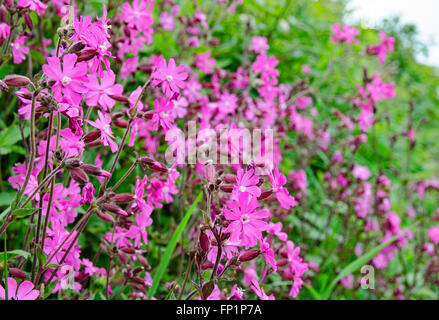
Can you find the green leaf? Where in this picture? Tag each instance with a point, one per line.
(357, 264)
(23, 212)
(314, 293)
(41, 256)
(6, 198)
(171, 247)
(14, 254)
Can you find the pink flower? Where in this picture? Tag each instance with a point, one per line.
(138, 195)
(33, 5)
(163, 114)
(345, 34)
(138, 15)
(68, 81)
(129, 66)
(268, 253)
(167, 21)
(24, 292)
(88, 192)
(19, 51)
(246, 225)
(296, 265)
(101, 90)
(433, 233)
(5, 29)
(278, 181)
(276, 229)
(361, 172)
(348, 281)
(169, 76)
(260, 291)
(259, 45)
(103, 124)
(246, 182)
(204, 62)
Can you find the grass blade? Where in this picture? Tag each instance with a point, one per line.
(171, 247)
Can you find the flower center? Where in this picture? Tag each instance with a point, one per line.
(242, 188)
(169, 78)
(245, 218)
(66, 80)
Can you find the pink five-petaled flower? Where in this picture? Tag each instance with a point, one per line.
(101, 90)
(260, 291)
(5, 29)
(169, 76)
(278, 180)
(163, 114)
(19, 51)
(68, 81)
(33, 5)
(138, 196)
(246, 225)
(246, 182)
(268, 253)
(103, 124)
(296, 265)
(361, 172)
(276, 229)
(24, 292)
(433, 233)
(138, 15)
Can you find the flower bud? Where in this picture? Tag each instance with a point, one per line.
(79, 176)
(77, 46)
(87, 54)
(3, 14)
(265, 194)
(95, 171)
(9, 3)
(157, 166)
(227, 188)
(17, 273)
(104, 216)
(120, 123)
(144, 160)
(148, 115)
(28, 21)
(128, 250)
(73, 163)
(122, 198)
(114, 209)
(16, 81)
(209, 171)
(204, 242)
(249, 255)
(92, 136)
(119, 98)
(122, 257)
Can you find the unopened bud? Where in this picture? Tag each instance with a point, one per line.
(129, 250)
(265, 194)
(95, 171)
(3, 86)
(148, 115)
(249, 255)
(123, 198)
(86, 54)
(227, 188)
(121, 123)
(77, 46)
(73, 163)
(209, 171)
(114, 209)
(92, 136)
(204, 242)
(119, 98)
(17, 273)
(104, 216)
(79, 176)
(28, 21)
(16, 81)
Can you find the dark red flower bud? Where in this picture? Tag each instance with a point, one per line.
(3, 14)
(119, 98)
(120, 123)
(77, 46)
(25, 95)
(79, 176)
(16, 81)
(227, 188)
(207, 266)
(17, 273)
(122, 257)
(148, 115)
(95, 171)
(287, 275)
(87, 54)
(229, 178)
(92, 136)
(138, 270)
(9, 3)
(204, 242)
(157, 166)
(28, 21)
(265, 194)
(142, 260)
(144, 160)
(249, 255)
(281, 263)
(128, 250)
(94, 144)
(139, 280)
(73, 163)
(123, 198)
(114, 209)
(104, 216)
